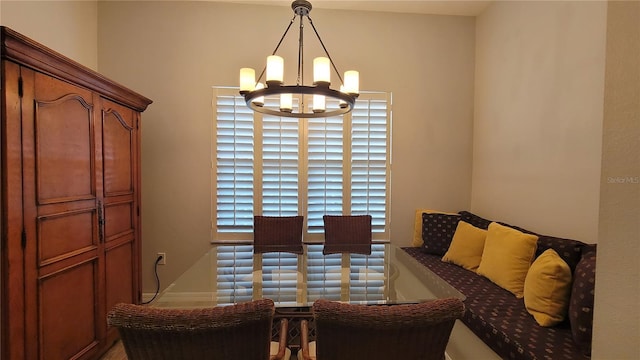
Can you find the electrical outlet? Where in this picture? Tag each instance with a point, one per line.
(163, 260)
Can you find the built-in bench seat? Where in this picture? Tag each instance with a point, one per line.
(501, 320)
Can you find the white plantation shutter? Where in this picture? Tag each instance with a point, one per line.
(280, 277)
(234, 279)
(269, 165)
(325, 170)
(324, 273)
(234, 160)
(369, 159)
(367, 275)
(280, 170)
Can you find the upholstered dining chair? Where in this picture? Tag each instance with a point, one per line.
(240, 331)
(278, 234)
(379, 332)
(347, 234)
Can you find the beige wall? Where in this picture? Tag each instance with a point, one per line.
(68, 27)
(538, 115)
(173, 52)
(617, 319)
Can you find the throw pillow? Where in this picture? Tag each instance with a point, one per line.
(547, 288)
(417, 225)
(474, 219)
(569, 250)
(466, 246)
(507, 256)
(437, 232)
(581, 303)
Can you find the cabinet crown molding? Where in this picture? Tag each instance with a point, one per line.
(24, 51)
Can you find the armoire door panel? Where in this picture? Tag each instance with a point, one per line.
(68, 324)
(118, 220)
(117, 154)
(119, 274)
(64, 149)
(64, 235)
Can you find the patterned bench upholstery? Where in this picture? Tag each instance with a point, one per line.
(501, 320)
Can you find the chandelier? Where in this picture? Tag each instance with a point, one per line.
(254, 92)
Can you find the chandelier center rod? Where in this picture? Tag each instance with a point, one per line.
(300, 80)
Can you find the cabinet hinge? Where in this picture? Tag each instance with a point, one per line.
(138, 210)
(137, 123)
(20, 87)
(23, 240)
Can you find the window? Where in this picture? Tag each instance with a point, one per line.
(285, 166)
(277, 166)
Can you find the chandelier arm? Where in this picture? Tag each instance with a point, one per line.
(285, 34)
(325, 50)
(293, 19)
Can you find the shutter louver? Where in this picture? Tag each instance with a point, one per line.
(367, 275)
(369, 161)
(234, 279)
(325, 170)
(280, 158)
(234, 173)
(280, 277)
(324, 274)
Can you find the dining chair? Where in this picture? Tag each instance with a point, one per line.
(240, 331)
(379, 332)
(347, 234)
(278, 234)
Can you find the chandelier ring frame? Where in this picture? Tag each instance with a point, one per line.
(348, 100)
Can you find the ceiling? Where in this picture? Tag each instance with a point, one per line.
(440, 7)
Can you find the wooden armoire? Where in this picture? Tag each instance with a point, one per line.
(70, 222)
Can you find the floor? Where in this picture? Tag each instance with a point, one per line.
(117, 353)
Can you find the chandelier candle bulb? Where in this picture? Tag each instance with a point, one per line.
(275, 70)
(351, 82)
(247, 80)
(259, 101)
(321, 71)
(286, 102)
(318, 103)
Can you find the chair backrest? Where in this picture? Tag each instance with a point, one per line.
(409, 331)
(241, 331)
(277, 234)
(347, 234)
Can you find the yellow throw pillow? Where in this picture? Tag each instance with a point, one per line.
(547, 288)
(507, 256)
(466, 247)
(417, 225)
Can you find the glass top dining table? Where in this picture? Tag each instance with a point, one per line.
(231, 273)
